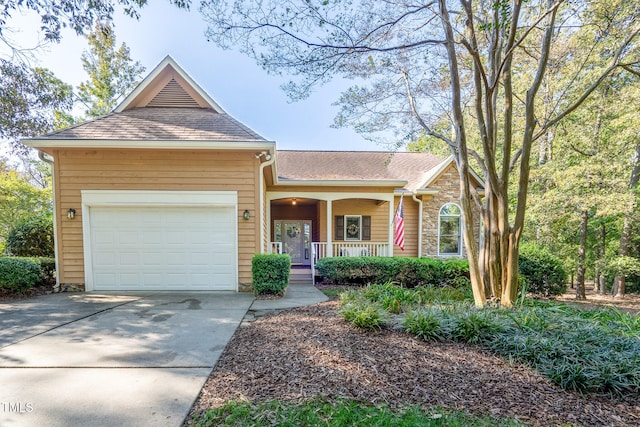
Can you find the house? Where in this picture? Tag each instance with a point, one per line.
(168, 192)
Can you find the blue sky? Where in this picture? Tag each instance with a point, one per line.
(242, 88)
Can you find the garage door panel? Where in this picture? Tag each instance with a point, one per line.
(163, 248)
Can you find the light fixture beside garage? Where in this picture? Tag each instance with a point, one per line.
(245, 214)
(71, 213)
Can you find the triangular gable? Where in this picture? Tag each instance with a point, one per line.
(432, 175)
(168, 85)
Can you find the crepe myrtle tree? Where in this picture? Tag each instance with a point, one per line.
(479, 64)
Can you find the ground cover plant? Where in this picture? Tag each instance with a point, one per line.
(311, 355)
(340, 413)
(594, 351)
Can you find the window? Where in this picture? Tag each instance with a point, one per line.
(361, 223)
(449, 237)
(352, 227)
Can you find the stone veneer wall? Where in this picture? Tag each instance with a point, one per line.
(448, 185)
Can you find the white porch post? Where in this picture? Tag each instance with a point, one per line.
(329, 228)
(391, 225)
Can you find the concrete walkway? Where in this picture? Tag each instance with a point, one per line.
(118, 360)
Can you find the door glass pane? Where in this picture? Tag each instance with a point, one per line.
(278, 231)
(292, 241)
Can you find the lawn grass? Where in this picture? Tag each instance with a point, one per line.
(332, 292)
(339, 414)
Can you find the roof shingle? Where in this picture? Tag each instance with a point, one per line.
(168, 124)
(356, 166)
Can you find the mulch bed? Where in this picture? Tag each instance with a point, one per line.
(33, 292)
(311, 352)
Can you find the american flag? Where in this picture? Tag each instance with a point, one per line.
(399, 225)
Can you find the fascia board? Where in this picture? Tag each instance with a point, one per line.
(151, 144)
(340, 183)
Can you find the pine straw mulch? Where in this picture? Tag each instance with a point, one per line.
(311, 352)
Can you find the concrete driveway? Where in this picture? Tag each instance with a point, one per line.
(111, 360)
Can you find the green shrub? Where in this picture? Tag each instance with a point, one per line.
(455, 273)
(19, 274)
(408, 272)
(48, 267)
(31, 238)
(542, 272)
(270, 273)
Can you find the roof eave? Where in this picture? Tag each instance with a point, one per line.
(152, 144)
(427, 191)
(341, 182)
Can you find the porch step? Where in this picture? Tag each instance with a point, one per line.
(300, 276)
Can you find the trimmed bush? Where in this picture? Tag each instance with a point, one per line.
(19, 274)
(542, 272)
(455, 273)
(48, 268)
(270, 273)
(408, 272)
(31, 238)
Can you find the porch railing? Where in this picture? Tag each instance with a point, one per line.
(275, 248)
(320, 249)
(346, 249)
(338, 249)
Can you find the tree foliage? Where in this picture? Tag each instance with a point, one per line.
(31, 237)
(112, 72)
(79, 15)
(20, 199)
(30, 102)
(482, 65)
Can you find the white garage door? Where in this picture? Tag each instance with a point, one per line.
(163, 248)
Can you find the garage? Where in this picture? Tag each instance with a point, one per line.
(166, 241)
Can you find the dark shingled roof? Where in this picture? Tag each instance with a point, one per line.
(168, 124)
(355, 166)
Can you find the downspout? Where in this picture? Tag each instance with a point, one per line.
(269, 161)
(48, 159)
(419, 201)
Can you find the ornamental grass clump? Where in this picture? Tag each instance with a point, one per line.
(425, 323)
(365, 314)
(572, 349)
(393, 298)
(596, 351)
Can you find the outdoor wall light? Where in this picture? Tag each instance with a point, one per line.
(71, 213)
(294, 201)
(245, 214)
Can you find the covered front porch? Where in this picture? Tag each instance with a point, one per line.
(311, 226)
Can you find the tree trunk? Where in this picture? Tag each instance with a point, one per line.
(600, 281)
(625, 237)
(580, 291)
(462, 160)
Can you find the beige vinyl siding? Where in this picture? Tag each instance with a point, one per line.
(410, 228)
(111, 169)
(365, 207)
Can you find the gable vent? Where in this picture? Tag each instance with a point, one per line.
(173, 95)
